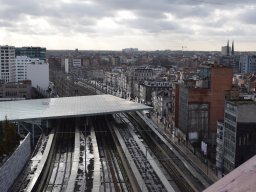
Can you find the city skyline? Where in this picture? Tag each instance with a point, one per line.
(113, 25)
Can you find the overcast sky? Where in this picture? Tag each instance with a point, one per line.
(117, 24)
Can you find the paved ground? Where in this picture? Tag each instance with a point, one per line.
(174, 140)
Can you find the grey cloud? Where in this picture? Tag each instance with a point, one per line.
(81, 17)
(249, 16)
(155, 26)
(191, 11)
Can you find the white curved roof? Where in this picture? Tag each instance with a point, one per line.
(66, 107)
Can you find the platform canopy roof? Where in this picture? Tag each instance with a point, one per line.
(66, 107)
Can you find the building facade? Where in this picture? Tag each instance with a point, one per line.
(21, 67)
(219, 148)
(148, 87)
(200, 103)
(16, 90)
(247, 64)
(7, 63)
(38, 73)
(31, 52)
(239, 133)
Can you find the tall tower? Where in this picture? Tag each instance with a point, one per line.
(7, 64)
(228, 48)
(233, 49)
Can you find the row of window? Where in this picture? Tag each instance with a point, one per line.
(230, 127)
(230, 136)
(230, 117)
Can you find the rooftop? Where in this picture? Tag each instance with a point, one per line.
(66, 107)
(240, 179)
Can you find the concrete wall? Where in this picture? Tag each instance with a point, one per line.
(13, 166)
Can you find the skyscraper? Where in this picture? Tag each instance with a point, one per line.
(7, 63)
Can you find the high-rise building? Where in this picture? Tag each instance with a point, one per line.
(21, 67)
(200, 104)
(247, 64)
(31, 52)
(239, 141)
(7, 63)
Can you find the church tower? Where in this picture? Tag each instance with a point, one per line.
(232, 49)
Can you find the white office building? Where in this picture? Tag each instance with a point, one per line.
(38, 73)
(7, 64)
(21, 67)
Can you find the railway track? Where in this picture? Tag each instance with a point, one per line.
(151, 179)
(112, 179)
(62, 163)
(173, 165)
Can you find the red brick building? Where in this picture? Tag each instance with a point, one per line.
(200, 103)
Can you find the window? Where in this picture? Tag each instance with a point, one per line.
(230, 127)
(230, 117)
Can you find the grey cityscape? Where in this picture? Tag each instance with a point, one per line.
(136, 96)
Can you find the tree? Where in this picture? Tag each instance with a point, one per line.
(1, 139)
(8, 137)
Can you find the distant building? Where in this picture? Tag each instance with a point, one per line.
(115, 61)
(136, 76)
(247, 64)
(66, 65)
(161, 101)
(76, 62)
(55, 63)
(15, 91)
(143, 74)
(7, 63)
(230, 61)
(130, 50)
(148, 87)
(111, 79)
(31, 52)
(227, 50)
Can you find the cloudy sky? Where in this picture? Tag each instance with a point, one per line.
(117, 24)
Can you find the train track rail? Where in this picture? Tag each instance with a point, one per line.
(112, 179)
(142, 161)
(62, 163)
(174, 166)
